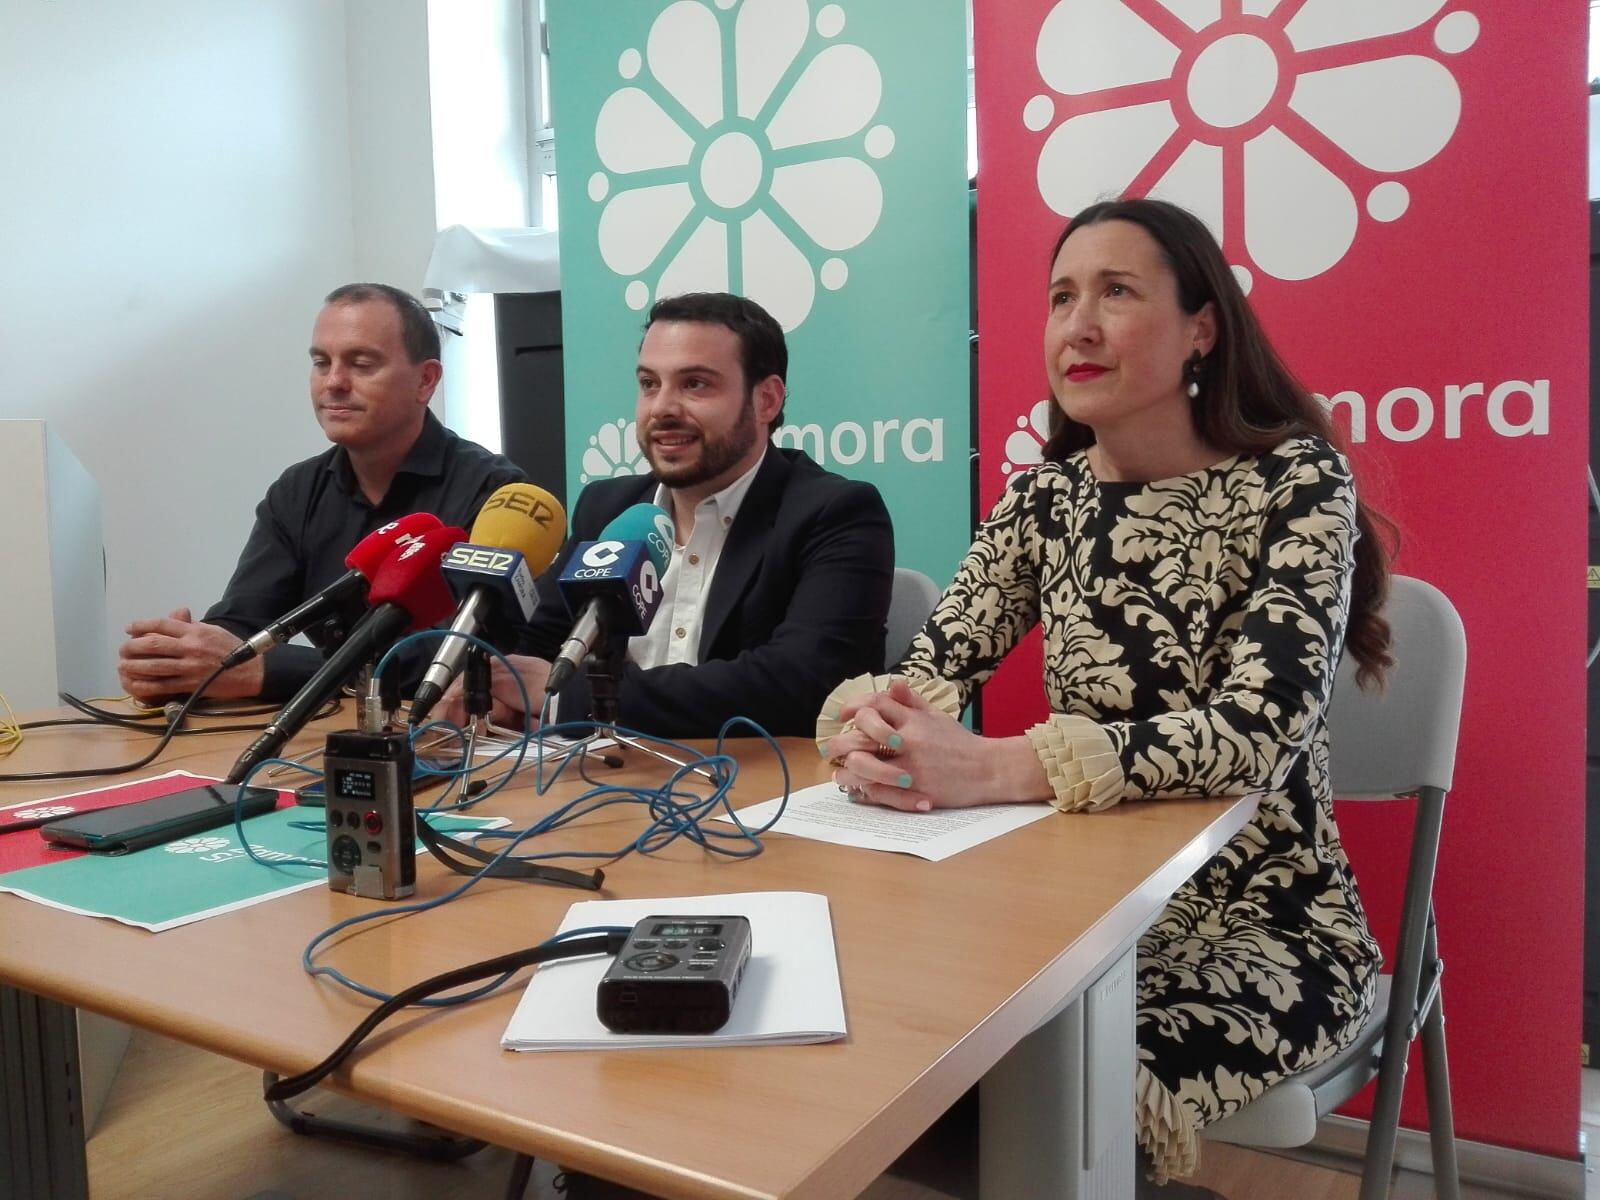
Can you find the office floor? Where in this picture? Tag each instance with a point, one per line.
(180, 1122)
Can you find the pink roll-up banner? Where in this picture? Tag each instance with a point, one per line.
(1400, 186)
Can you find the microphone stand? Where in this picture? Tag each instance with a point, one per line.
(605, 679)
(479, 700)
(358, 688)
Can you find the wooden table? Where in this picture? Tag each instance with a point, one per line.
(1002, 964)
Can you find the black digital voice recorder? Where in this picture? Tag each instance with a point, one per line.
(372, 837)
(675, 975)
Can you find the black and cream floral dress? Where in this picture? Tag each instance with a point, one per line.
(1191, 630)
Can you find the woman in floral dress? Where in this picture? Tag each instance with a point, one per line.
(1196, 555)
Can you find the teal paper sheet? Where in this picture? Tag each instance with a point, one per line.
(195, 877)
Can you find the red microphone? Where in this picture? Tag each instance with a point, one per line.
(408, 592)
(410, 580)
(364, 560)
(371, 551)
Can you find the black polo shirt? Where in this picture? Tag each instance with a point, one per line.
(315, 512)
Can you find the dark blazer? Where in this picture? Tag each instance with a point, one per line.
(797, 604)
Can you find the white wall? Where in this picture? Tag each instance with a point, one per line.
(178, 196)
(391, 140)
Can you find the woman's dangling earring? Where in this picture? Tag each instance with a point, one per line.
(1191, 375)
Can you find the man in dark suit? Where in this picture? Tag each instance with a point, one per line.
(779, 582)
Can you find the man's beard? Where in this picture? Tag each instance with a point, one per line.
(717, 454)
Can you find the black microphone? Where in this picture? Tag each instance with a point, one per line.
(407, 592)
(369, 554)
(613, 584)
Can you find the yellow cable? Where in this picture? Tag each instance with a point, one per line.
(137, 705)
(10, 730)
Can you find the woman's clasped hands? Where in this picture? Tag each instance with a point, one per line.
(898, 750)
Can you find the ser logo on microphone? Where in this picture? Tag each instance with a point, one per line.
(519, 500)
(480, 559)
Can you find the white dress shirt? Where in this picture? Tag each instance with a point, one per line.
(674, 636)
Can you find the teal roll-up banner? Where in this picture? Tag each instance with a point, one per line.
(811, 156)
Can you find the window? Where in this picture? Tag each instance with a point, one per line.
(1594, 102)
(541, 127)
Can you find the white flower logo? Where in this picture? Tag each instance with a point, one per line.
(44, 813)
(196, 845)
(1266, 123)
(613, 451)
(1025, 447)
(756, 191)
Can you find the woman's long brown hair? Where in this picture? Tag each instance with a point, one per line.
(1249, 402)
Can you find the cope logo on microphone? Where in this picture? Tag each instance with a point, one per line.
(661, 536)
(535, 509)
(601, 556)
(622, 575)
(647, 591)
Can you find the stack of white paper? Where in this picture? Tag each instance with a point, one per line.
(790, 993)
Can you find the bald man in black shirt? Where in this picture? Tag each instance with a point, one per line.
(374, 367)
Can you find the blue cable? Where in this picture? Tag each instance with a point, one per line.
(675, 812)
(403, 910)
(521, 747)
(435, 1001)
(671, 820)
(238, 818)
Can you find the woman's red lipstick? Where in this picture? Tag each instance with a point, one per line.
(1081, 372)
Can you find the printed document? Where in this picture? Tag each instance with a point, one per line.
(824, 813)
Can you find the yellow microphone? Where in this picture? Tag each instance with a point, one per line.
(516, 535)
(523, 518)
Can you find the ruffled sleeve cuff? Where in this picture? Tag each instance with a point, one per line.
(940, 693)
(1166, 1133)
(1079, 760)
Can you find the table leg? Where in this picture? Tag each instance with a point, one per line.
(1056, 1113)
(41, 1106)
